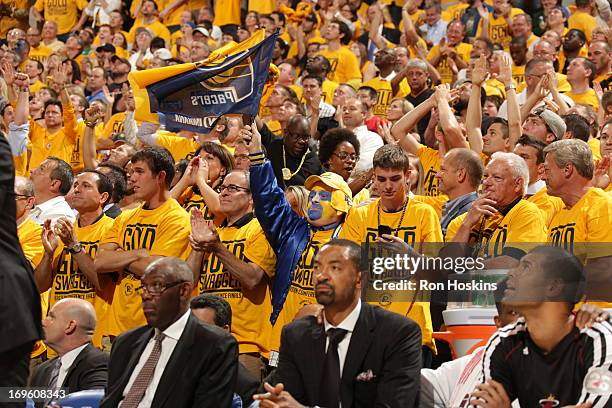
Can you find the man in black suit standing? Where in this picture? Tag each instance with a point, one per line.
(174, 361)
(20, 313)
(361, 356)
(79, 366)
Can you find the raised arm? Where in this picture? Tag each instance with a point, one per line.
(22, 109)
(514, 110)
(401, 129)
(473, 121)
(453, 134)
(90, 159)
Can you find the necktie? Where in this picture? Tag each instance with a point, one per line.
(144, 377)
(57, 365)
(330, 380)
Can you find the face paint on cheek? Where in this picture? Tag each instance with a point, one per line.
(321, 210)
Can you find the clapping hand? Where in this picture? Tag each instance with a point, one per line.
(505, 71)
(252, 138)
(480, 73)
(65, 231)
(276, 397)
(49, 239)
(203, 232)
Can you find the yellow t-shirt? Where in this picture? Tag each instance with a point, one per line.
(113, 126)
(454, 12)
(301, 290)
(385, 94)
(190, 200)
(522, 227)
(595, 146)
(549, 205)
(463, 50)
(262, 6)
(518, 74)
(159, 29)
(174, 18)
(36, 86)
(585, 98)
(29, 234)
(60, 144)
(418, 225)
(250, 308)
(227, 12)
(179, 147)
(588, 221)
(584, 22)
(76, 157)
(499, 30)
(64, 12)
(163, 231)
(40, 53)
(436, 202)
(431, 161)
(69, 282)
(344, 65)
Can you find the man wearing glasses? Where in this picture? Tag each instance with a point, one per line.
(237, 263)
(174, 360)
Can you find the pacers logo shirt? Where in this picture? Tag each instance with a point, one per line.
(250, 308)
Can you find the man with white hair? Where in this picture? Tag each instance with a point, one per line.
(69, 328)
(501, 218)
(583, 225)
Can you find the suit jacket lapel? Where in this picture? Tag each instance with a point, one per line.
(178, 360)
(75, 363)
(358, 347)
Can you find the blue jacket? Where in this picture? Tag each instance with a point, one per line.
(287, 233)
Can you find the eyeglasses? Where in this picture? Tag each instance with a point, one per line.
(156, 288)
(21, 196)
(232, 188)
(343, 156)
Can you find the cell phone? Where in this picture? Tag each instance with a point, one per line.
(384, 230)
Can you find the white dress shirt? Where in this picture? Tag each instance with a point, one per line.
(347, 324)
(52, 209)
(369, 142)
(173, 334)
(67, 361)
(535, 187)
(434, 33)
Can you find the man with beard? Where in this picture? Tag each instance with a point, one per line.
(295, 240)
(291, 159)
(194, 363)
(518, 52)
(335, 362)
(572, 365)
(573, 41)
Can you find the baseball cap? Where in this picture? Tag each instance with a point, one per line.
(116, 58)
(554, 122)
(107, 48)
(146, 30)
(163, 54)
(202, 31)
(119, 139)
(335, 182)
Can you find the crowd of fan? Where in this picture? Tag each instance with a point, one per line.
(481, 123)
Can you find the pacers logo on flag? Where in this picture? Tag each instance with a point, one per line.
(235, 84)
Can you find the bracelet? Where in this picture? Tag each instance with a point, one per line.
(90, 124)
(509, 87)
(25, 89)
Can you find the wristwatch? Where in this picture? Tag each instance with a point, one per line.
(75, 249)
(511, 86)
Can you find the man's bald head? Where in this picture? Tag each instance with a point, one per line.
(172, 268)
(70, 324)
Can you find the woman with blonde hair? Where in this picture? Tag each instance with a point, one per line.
(297, 197)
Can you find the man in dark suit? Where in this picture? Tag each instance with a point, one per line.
(214, 310)
(174, 361)
(20, 313)
(361, 356)
(68, 331)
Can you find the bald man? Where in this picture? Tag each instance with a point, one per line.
(195, 364)
(69, 327)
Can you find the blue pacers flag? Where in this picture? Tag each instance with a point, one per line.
(192, 96)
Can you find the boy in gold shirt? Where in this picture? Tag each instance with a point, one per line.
(159, 227)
